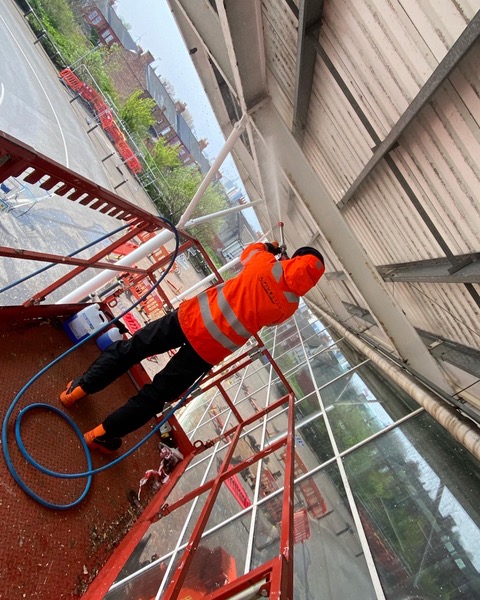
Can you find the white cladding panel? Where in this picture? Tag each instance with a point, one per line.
(436, 308)
(385, 51)
(280, 30)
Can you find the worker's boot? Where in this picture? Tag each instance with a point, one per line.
(72, 393)
(97, 439)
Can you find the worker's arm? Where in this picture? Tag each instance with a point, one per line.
(253, 249)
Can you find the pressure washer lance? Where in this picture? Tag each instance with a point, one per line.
(282, 246)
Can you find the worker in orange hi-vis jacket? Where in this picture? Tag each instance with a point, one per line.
(206, 329)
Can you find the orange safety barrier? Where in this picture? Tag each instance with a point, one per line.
(71, 79)
(131, 323)
(238, 492)
(129, 157)
(88, 93)
(125, 151)
(105, 116)
(301, 526)
(125, 248)
(144, 236)
(152, 303)
(316, 504)
(157, 255)
(134, 165)
(114, 132)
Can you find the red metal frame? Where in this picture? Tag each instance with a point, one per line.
(64, 260)
(16, 158)
(21, 161)
(278, 573)
(276, 576)
(40, 296)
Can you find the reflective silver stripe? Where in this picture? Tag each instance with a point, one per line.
(212, 327)
(251, 255)
(230, 316)
(277, 271)
(291, 297)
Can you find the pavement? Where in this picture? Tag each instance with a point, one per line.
(36, 108)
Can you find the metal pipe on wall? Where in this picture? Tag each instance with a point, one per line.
(460, 428)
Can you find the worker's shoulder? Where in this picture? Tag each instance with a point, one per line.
(251, 252)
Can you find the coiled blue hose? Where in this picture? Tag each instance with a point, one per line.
(88, 474)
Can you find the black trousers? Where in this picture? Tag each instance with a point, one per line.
(178, 374)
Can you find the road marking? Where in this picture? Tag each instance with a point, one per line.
(2, 93)
(43, 89)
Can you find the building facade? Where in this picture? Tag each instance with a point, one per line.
(131, 69)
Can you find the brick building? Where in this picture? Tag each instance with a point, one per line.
(130, 69)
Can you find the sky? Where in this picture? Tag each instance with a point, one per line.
(153, 27)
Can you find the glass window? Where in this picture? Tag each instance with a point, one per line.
(329, 561)
(418, 494)
(416, 490)
(362, 403)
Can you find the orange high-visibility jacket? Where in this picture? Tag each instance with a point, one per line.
(266, 292)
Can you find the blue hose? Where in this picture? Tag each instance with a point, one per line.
(90, 471)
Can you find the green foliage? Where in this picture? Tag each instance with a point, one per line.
(95, 66)
(174, 188)
(136, 114)
(164, 157)
(60, 16)
(66, 43)
(59, 22)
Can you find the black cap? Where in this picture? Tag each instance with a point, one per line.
(308, 250)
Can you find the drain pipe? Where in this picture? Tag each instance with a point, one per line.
(459, 427)
(165, 235)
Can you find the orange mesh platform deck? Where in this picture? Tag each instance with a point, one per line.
(55, 554)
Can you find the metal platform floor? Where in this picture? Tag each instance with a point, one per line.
(47, 553)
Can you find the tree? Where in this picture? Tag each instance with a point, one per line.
(62, 22)
(136, 114)
(176, 185)
(164, 157)
(180, 186)
(95, 66)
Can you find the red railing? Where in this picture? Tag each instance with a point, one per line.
(276, 576)
(24, 163)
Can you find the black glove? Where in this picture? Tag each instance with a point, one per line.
(273, 248)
